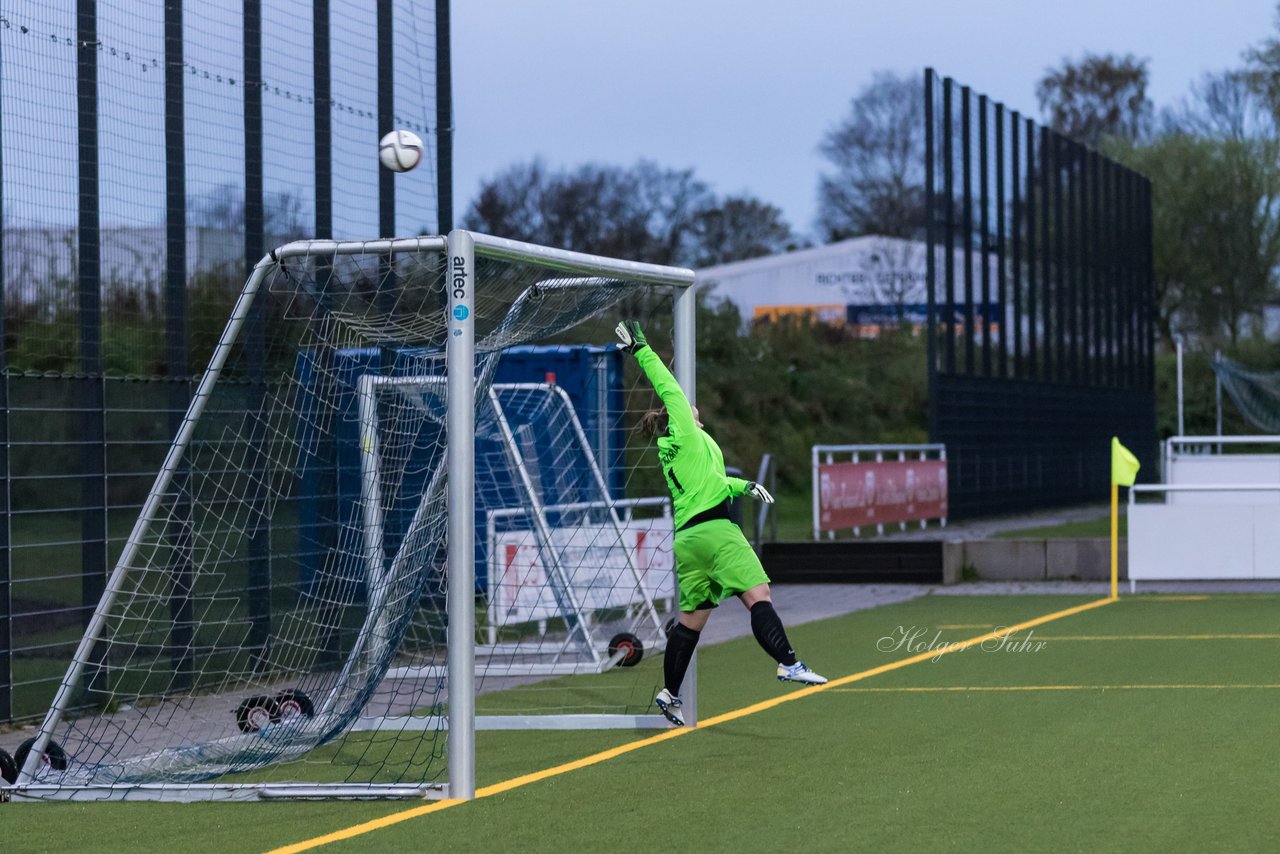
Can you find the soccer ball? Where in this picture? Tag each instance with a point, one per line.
(400, 150)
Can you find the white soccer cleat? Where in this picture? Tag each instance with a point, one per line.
(670, 706)
(799, 672)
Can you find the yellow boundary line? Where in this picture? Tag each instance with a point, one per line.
(1272, 636)
(964, 689)
(605, 755)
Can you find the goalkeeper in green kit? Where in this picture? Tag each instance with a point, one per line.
(713, 559)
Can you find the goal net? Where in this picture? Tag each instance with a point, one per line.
(325, 593)
(1256, 393)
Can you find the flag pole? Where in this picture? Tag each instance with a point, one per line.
(1115, 539)
(1124, 470)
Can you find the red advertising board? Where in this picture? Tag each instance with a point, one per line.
(852, 495)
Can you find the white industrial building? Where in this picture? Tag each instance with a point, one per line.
(864, 282)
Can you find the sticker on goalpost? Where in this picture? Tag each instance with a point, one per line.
(592, 560)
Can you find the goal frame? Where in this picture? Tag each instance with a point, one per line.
(460, 249)
(463, 248)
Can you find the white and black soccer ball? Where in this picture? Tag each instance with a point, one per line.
(400, 150)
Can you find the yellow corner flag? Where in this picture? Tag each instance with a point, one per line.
(1124, 465)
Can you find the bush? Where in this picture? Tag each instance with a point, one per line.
(791, 384)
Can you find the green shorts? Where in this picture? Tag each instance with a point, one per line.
(713, 562)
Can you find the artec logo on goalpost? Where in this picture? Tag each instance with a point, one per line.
(459, 277)
(458, 284)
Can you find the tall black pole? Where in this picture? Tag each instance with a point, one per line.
(181, 572)
(1071, 263)
(1033, 320)
(931, 241)
(1149, 282)
(1002, 295)
(6, 595)
(984, 242)
(93, 524)
(949, 226)
(444, 120)
(259, 576)
(323, 119)
(1060, 259)
(1015, 229)
(386, 116)
(1046, 268)
(966, 220)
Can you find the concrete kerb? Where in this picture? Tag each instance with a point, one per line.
(972, 551)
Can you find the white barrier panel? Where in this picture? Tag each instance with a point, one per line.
(1201, 460)
(1201, 541)
(520, 591)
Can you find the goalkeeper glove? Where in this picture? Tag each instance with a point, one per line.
(758, 491)
(631, 336)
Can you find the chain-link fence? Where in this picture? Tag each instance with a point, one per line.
(151, 151)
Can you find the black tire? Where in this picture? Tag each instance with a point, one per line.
(293, 704)
(256, 712)
(630, 646)
(8, 768)
(54, 756)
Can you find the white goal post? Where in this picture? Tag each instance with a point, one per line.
(197, 673)
(460, 357)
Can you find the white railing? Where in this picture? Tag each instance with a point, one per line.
(1189, 460)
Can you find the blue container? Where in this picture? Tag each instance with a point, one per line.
(592, 377)
(329, 514)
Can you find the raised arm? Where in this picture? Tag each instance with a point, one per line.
(669, 392)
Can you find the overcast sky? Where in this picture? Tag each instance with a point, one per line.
(742, 91)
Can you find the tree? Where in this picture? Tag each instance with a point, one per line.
(740, 228)
(878, 154)
(1216, 230)
(642, 213)
(1222, 105)
(223, 208)
(1262, 70)
(1097, 97)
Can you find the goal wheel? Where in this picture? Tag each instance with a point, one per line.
(54, 756)
(8, 768)
(256, 712)
(293, 704)
(630, 647)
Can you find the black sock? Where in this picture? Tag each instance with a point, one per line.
(766, 625)
(675, 663)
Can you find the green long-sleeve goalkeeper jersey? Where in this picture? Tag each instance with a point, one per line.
(691, 460)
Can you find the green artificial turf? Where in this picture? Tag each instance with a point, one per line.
(1081, 757)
